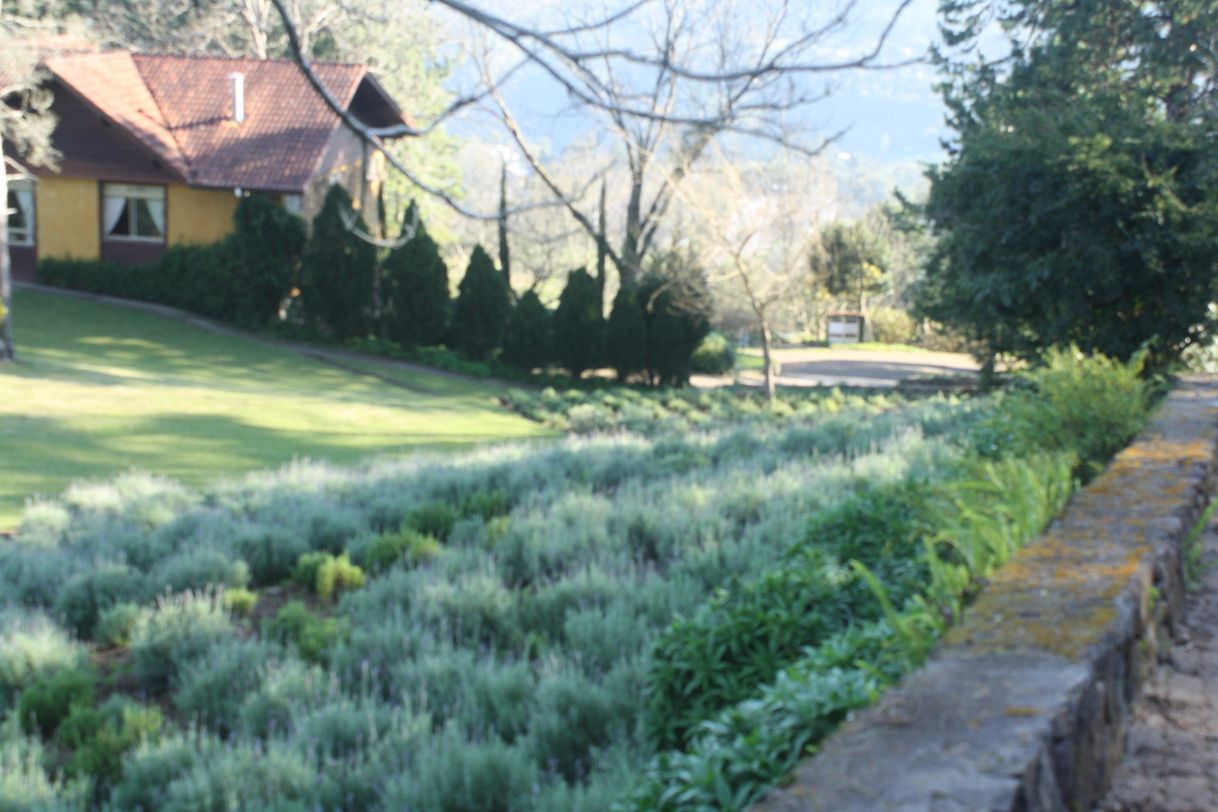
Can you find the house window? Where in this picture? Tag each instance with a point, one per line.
(133, 213)
(21, 213)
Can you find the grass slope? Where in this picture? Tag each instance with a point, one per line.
(99, 389)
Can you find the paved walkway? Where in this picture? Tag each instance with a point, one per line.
(842, 366)
(1171, 761)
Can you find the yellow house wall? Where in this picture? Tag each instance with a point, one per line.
(199, 215)
(67, 218)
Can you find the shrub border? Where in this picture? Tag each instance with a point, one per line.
(1025, 704)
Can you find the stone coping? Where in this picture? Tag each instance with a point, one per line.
(1024, 704)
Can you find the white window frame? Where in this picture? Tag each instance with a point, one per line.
(24, 237)
(129, 193)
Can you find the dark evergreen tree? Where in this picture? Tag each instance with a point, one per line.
(1079, 202)
(338, 270)
(626, 334)
(527, 343)
(415, 288)
(579, 324)
(482, 308)
(267, 244)
(677, 307)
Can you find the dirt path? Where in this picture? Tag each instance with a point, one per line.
(1171, 760)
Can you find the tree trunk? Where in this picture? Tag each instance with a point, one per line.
(767, 361)
(602, 245)
(505, 256)
(632, 244)
(7, 350)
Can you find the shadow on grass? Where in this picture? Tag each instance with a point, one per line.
(42, 455)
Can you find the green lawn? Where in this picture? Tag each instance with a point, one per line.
(100, 389)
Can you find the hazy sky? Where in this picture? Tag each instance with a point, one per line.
(894, 117)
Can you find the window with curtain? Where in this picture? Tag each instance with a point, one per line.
(131, 212)
(21, 212)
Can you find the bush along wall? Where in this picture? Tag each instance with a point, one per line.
(242, 279)
(739, 691)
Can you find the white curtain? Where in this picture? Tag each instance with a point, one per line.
(156, 208)
(25, 202)
(112, 210)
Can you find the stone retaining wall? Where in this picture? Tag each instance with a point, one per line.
(1024, 705)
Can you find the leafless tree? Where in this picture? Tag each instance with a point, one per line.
(754, 222)
(693, 71)
(26, 124)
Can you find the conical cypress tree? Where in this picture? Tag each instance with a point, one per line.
(626, 334)
(267, 243)
(338, 271)
(527, 343)
(579, 326)
(482, 308)
(416, 288)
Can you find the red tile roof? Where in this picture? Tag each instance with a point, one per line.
(111, 83)
(180, 108)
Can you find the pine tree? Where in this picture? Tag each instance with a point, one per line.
(677, 314)
(416, 288)
(579, 324)
(626, 334)
(338, 271)
(482, 308)
(267, 243)
(528, 342)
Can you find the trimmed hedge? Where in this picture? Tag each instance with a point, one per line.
(241, 279)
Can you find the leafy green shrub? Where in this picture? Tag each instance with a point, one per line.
(677, 307)
(175, 633)
(457, 775)
(481, 310)
(287, 686)
(337, 270)
(26, 784)
(99, 737)
(888, 325)
(155, 765)
(307, 567)
(742, 638)
(267, 244)
(116, 624)
(579, 324)
(32, 647)
(714, 356)
(435, 518)
(486, 505)
(86, 595)
(213, 695)
(573, 718)
(337, 575)
(198, 569)
(1089, 405)
(313, 636)
(240, 602)
(245, 775)
(388, 549)
(416, 289)
(271, 552)
(527, 342)
(47, 702)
